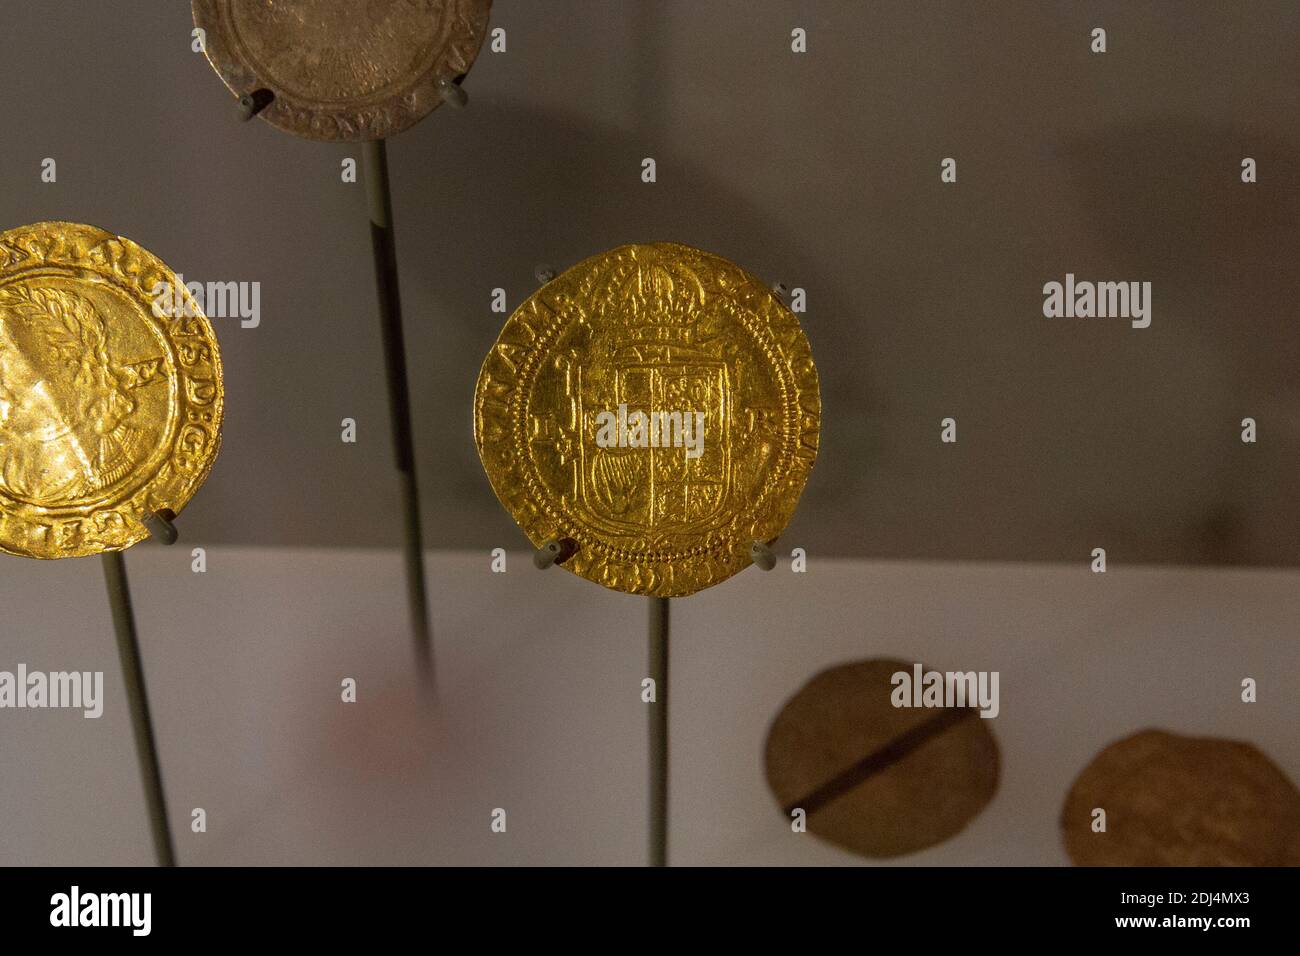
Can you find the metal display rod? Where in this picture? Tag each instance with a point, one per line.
(380, 201)
(658, 723)
(128, 652)
(375, 155)
(557, 551)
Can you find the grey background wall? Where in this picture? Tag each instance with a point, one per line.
(821, 170)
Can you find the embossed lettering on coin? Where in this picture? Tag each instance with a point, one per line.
(343, 69)
(106, 411)
(657, 406)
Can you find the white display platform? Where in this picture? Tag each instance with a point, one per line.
(540, 711)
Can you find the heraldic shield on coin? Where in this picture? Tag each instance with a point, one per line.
(110, 391)
(343, 70)
(656, 408)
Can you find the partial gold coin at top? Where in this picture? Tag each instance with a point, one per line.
(108, 411)
(656, 407)
(1172, 800)
(343, 70)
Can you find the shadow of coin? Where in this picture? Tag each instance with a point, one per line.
(1172, 800)
(876, 779)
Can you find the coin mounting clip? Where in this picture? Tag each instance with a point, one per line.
(451, 92)
(250, 104)
(160, 526)
(554, 551)
(762, 555)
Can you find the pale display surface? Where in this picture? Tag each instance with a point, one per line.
(569, 764)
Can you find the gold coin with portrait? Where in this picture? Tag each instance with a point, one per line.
(342, 70)
(110, 391)
(655, 408)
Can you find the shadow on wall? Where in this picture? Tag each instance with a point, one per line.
(1166, 201)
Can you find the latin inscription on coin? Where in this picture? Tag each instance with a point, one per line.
(343, 69)
(656, 406)
(107, 411)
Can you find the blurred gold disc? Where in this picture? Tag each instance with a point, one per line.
(872, 778)
(1172, 800)
(343, 70)
(107, 410)
(656, 408)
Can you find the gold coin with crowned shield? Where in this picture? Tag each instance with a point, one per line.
(342, 70)
(656, 409)
(110, 391)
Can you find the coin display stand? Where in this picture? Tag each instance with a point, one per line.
(555, 552)
(380, 201)
(162, 530)
(112, 422)
(379, 196)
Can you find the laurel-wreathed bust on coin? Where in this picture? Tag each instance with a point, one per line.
(107, 410)
(657, 406)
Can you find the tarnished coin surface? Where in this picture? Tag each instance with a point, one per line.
(347, 70)
(110, 391)
(1172, 800)
(656, 407)
(872, 778)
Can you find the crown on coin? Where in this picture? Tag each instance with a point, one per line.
(660, 301)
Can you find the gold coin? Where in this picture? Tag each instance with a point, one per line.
(108, 411)
(876, 779)
(1172, 800)
(656, 407)
(346, 70)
